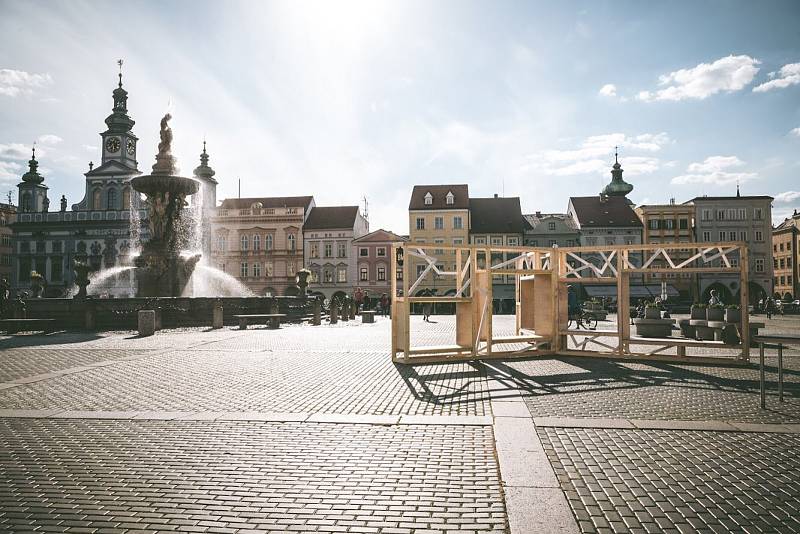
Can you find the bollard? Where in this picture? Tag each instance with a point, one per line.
(157, 311)
(216, 317)
(89, 316)
(334, 313)
(353, 309)
(147, 322)
(316, 310)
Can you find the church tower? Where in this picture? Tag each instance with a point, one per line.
(618, 187)
(208, 183)
(32, 191)
(108, 184)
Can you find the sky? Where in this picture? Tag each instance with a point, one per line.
(351, 99)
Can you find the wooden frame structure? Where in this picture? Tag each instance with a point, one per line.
(541, 277)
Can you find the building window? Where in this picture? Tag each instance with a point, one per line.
(438, 223)
(314, 250)
(56, 246)
(734, 262)
(720, 215)
(683, 224)
(669, 224)
(96, 199)
(342, 275)
(328, 274)
(341, 250)
(742, 236)
(457, 223)
(244, 270)
(652, 224)
(363, 252)
(438, 242)
(759, 236)
(364, 274)
(26, 202)
(268, 269)
(512, 241)
(732, 236)
(591, 241)
(758, 214)
(480, 240)
(722, 236)
(112, 199)
(420, 268)
(381, 252)
(428, 199)
(256, 242)
(56, 269)
(570, 242)
(706, 236)
(706, 215)
(551, 226)
(268, 242)
(450, 199)
(328, 250)
(245, 242)
(257, 270)
(458, 241)
(292, 242)
(381, 274)
(291, 269)
(126, 198)
(221, 243)
(420, 223)
(610, 241)
(759, 265)
(497, 241)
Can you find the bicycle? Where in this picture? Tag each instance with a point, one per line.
(582, 319)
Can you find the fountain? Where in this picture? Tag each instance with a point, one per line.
(162, 271)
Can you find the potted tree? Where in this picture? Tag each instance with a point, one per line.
(733, 313)
(652, 311)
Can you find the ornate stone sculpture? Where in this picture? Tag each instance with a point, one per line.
(63, 203)
(165, 161)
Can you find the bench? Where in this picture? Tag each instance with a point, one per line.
(274, 319)
(12, 326)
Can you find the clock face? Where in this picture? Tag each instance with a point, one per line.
(112, 144)
(131, 147)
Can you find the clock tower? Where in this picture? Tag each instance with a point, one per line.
(119, 143)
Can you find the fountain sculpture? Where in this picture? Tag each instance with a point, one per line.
(162, 271)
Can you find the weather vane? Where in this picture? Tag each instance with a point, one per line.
(119, 62)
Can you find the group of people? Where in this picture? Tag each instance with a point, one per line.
(365, 302)
(770, 306)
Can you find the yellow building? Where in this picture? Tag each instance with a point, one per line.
(670, 223)
(785, 245)
(437, 215)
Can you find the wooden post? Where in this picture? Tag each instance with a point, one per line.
(406, 312)
(623, 303)
(744, 299)
(393, 296)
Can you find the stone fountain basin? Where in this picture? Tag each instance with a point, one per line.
(153, 184)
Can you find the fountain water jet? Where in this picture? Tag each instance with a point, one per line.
(162, 271)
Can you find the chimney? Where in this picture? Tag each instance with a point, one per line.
(539, 214)
(495, 195)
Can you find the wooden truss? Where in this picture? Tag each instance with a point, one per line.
(541, 277)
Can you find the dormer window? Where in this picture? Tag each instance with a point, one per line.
(450, 198)
(428, 198)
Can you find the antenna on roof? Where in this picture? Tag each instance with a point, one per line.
(240, 188)
(366, 207)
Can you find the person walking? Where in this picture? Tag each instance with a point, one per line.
(770, 307)
(384, 304)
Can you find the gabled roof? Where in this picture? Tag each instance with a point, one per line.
(496, 215)
(331, 217)
(439, 194)
(267, 202)
(112, 166)
(606, 212)
(380, 236)
(535, 219)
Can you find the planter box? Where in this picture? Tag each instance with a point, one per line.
(698, 313)
(652, 313)
(733, 315)
(715, 314)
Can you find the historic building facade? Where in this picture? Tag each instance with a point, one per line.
(259, 241)
(550, 230)
(328, 235)
(373, 252)
(438, 215)
(8, 214)
(737, 218)
(785, 245)
(670, 223)
(498, 222)
(101, 229)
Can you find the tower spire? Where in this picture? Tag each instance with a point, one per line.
(615, 154)
(119, 62)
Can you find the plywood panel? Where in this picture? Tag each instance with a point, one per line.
(465, 335)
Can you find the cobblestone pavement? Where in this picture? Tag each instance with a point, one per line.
(95, 476)
(667, 481)
(103, 471)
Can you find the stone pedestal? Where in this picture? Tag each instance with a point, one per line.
(147, 323)
(316, 311)
(89, 316)
(216, 317)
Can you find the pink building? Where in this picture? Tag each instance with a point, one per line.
(374, 261)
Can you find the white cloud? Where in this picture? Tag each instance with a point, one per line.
(716, 170)
(787, 196)
(17, 82)
(16, 151)
(794, 132)
(49, 139)
(593, 156)
(609, 90)
(727, 74)
(10, 170)
(788, 75)
(90, 148)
